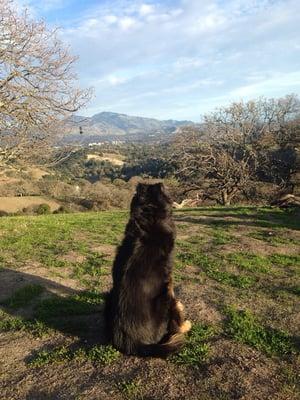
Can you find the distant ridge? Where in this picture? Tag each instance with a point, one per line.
(121, 127)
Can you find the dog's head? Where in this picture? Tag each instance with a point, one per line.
(151, 196)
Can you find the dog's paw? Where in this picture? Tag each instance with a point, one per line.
(180, 306)
(186, 326)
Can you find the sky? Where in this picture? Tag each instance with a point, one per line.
(178, 59)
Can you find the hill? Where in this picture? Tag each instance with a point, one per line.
(236, 271)
(110, 126)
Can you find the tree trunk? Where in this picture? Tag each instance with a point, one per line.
(225, 198)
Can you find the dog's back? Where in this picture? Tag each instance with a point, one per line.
(141, 308)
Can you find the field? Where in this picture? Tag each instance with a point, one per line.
(15, 204)
(237, 270)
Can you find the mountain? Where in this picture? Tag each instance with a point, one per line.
(110, 126)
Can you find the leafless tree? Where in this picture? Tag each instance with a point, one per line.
(220, 158)
(38, 86)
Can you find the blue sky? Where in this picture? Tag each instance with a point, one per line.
(182, 58)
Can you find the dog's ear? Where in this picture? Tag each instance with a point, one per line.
(141, 189)
(158, 187)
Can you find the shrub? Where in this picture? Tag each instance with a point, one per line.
(62, 210)
(43, 209)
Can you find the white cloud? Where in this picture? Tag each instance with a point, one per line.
(274, 85)
(146, 9)
(110, 19)
(188, 63)
(127, 23)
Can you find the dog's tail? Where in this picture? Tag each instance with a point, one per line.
(172, 345)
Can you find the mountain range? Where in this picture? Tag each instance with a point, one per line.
(110, 126)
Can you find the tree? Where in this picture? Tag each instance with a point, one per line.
(222, 157)
(38, 88)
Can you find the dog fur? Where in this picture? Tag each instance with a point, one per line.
(142, 315)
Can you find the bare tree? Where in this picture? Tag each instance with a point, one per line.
(216, 171)
(220, 158)
(38, 87)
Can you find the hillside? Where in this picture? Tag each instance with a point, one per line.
(236, 271)
(113, 126)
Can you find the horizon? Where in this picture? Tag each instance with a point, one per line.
(178, 59)
(133, 116)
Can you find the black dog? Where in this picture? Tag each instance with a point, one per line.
(142, 315)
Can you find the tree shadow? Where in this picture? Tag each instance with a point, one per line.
(272, 219)
(222, 209)
(38, 394)
(58, 307)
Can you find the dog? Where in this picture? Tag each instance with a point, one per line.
(142, 314)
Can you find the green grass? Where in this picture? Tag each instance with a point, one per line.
(242, 326)
(45, 237)
(221, 237)
(273, 237)
(100, 354)
(131, 389)
(214, 268)
(83, 303)
(283, 260)
(239, 281)
(294, 290)
(14, 324)
(278, 218)
(195, 351)
(23, 296)
(93, 266)
(104, 355)
(250, 262)
(66, 245)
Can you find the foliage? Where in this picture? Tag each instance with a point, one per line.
(43, 209)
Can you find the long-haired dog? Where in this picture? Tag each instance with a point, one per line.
(142, 315)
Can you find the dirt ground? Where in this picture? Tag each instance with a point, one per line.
(232, 369)
(15, 204)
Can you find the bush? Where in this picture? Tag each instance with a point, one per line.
(3, 213)
(43, 209)
(62, 210)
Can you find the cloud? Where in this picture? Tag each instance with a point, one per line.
(275, 85)
(180, 58)
(146, 9)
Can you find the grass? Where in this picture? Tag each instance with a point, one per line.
(131, 389)
(294, 290)
(195, 351)
(250, 262)
(93, 267)
(266, 285)
(100, 354)
(23, 296)
(273, 237)
(14, 324)
(45, 237)
(83, 303)
(221, 237)
(214, 268)
(242, 326)
(283, 260)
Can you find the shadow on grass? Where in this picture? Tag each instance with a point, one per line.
(222, 209)
(39, 394)
(38, 305)
(259, 218)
